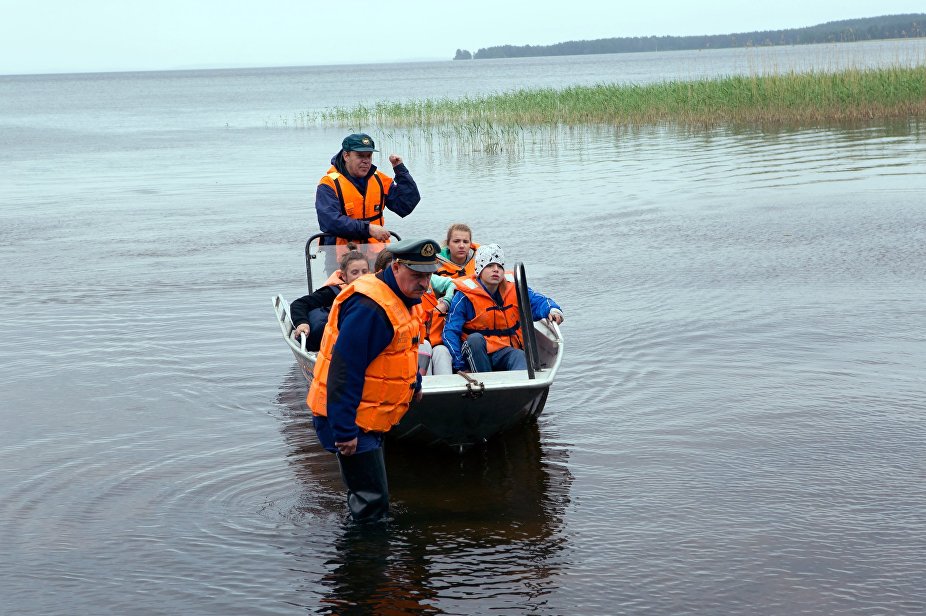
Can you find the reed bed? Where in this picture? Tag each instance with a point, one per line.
(791, 98)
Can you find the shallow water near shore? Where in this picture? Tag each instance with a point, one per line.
(738, 427)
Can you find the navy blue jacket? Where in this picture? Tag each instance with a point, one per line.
(402, 198)
(364, 332)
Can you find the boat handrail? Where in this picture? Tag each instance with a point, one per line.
(527, 320)
(309, 255)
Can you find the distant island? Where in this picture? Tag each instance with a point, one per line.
(850, 30)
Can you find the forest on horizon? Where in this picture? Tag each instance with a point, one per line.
(910, 25)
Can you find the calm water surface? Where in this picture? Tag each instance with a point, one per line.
(738, 427)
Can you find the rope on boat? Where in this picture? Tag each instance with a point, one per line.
(471, 384)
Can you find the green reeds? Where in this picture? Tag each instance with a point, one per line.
(790, 98)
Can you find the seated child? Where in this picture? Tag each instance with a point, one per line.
(483, 329)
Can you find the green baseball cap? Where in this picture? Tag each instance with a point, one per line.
(358, 142)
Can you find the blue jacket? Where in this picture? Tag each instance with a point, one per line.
(402, 198)
(462, 311)
(364, 332)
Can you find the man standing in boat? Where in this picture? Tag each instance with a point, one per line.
(352, 195)
(366, 372)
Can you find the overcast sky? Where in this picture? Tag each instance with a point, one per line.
(46, 36)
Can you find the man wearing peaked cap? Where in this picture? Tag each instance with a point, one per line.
(366, 372)
(358, 142)
(419, 255)
(352, 195)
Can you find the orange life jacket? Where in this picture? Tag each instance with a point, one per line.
(335, 280)
(432, 319)
(390, 378)
(499, 324)
(367, 207)
(452, 270)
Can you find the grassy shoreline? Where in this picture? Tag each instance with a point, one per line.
(790, 98)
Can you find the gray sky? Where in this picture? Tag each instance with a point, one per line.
(45, 36)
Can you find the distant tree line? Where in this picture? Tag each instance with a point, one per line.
(849, 30)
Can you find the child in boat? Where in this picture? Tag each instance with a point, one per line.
(456, 261)
(483, 331)
(310, 312)
(434, 358)
(456, 256)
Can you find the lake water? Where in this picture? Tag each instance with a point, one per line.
(739, 426)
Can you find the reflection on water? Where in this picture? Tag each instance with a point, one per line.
(458, 521)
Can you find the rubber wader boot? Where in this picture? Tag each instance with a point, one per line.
(364, 474)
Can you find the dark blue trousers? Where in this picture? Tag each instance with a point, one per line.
(506, 358)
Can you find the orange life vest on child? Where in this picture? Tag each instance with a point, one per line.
(452, 270)
(335, 280)
(390, 378)
(499, 324)
(432, 319)
(367, 207)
